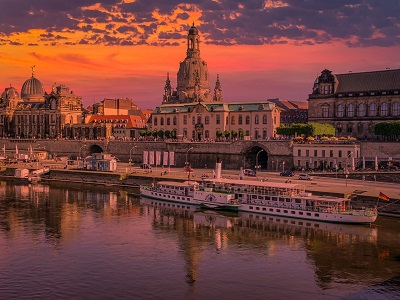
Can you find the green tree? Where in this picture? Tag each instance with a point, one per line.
(154, 133)
(241, 133)
(173, 134)
(227, 133)
(219, 133)
(148, 133)
(234, 133)
(142, 133)
(161, 133)
(167, 134)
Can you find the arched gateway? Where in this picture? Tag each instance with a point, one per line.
(255, 155)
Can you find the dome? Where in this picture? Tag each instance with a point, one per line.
(32, 89)
(193, 30)
(10, 93)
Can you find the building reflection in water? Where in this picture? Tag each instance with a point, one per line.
(336, 252)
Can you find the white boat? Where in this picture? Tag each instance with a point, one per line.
(191, 192)
(22, 175)
(291, 200)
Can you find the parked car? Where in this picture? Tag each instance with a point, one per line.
(249, 172)
(287, 173)
(145, 166)
(303, 176)
(392, 168)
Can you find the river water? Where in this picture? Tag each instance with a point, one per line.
(94, 242)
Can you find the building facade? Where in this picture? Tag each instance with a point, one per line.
(193, 112)
(292, 112)
(353, 103)
(35, 113)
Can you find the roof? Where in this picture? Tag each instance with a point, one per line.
(255, 183)
(368, 81)
(131, 121)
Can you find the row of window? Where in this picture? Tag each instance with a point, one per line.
(361, 110)
(339, 153)
(207, 120)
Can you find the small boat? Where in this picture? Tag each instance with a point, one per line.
(22, 175)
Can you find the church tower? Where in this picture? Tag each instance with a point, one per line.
(192, 77)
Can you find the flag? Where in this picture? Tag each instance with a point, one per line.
(382, 196)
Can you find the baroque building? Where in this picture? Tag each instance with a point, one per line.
(193, 112)
(354, 102)
(35, 113)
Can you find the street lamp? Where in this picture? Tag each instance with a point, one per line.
(257, 166)
(130, 154)
(187, 162)
(80, 149)
(283, 166)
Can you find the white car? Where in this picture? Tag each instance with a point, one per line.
(305, 177)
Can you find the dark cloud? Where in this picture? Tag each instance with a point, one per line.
(360, 23)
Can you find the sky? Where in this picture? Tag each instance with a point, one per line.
(260, 49)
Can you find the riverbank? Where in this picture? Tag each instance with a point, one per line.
(362, 193)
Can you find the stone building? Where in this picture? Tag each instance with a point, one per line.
(292, 111)
(355, 102)
(35, 113)
(193, 112)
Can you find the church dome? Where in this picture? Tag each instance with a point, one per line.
(32, 89)
(10, 93)
(193, 30)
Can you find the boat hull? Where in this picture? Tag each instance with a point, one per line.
(349, 218)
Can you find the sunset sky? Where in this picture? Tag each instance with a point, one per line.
(261, 49)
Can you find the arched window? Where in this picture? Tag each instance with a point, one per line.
(193, 120)
(264, 134)
(174, 121)
(162, 121)
(372, 110)
(198, 119)
(155, 121)
(217, 119)
(340, 110)
(247, 120)
(256, 121)
(240, 120)
(395, 109)
(256, 134)
(247, 133)
(361, 112)
(185, 120)
(207, 120)
(383, 109)
(207, 134)
(350, 110)
(185, 132)
(168, 121)
(264, 119)
(233, 120)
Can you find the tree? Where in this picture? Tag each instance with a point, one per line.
(227, 133)
(173, 134)
(154, 133)
(219, 133)
(161, 133)
(242, 133)
(234, 133)
(391, 130)
(148, 133)
(310, 129)
(167, 134)
(142, 133)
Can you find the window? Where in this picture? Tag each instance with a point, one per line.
(247, 120)
(331, 153)
(155, 121)
(233, 120)
(185, 120)
(350, 110)
(207, 134)
(227, 120)
(240, 120)
(207, 120)
(299, 152)
(360, 127)
(198, 119)
(307, 152)
(217, 119)
(264, 119)
(264, 134)
(349, 128)
(325, 112)
(162, 121)
(323, 153)
(193, 120)
(339, 128)
(256, 136)
(361, 110)
(340, 110)
(174, 121)
(168, 121)
(256, 121)
(383, 109)
(395, 109)
(372, 110)
(340, 153)
(315, 153)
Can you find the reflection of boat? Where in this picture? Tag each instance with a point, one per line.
(214, 219)
(254, 220)
(190, 192)
(168, 205)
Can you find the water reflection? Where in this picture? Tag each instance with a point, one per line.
(112, 223)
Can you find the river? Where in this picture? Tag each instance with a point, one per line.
(70, 241)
